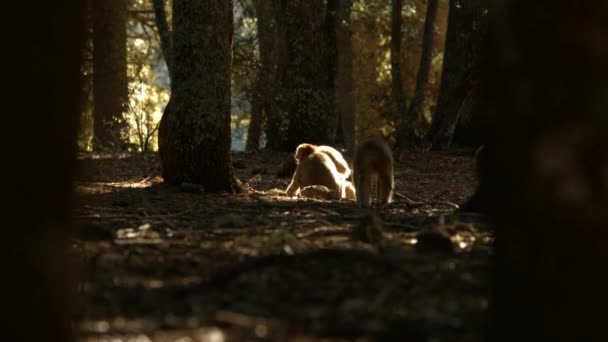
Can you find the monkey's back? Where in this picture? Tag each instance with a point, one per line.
(319, 169)
(373, 164)
(372, 156)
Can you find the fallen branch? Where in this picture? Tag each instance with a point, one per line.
(425, 201)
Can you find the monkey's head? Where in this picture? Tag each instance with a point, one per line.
(303, 151)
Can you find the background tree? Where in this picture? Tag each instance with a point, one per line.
(345, 92)
(398, 103)
(305, 96)
(407, 135)
(110, 92)
(198, 145)
(544, 88)
(262, 114)
(466, 28)
(331, 55)
(164, 33)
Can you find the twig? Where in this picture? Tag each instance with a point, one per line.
(425, 201)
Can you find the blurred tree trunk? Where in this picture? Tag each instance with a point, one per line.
(38, 274)
(466, 29)
(545, 87)
(416, 108)
(160, 15)
(110, 88)
(345, 91)
(166, 45)
(199, 139)
(398, 105)
(304, 94)
(264, 97)
(406, 132)
(331, 49)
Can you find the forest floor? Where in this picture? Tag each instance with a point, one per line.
(165, 263)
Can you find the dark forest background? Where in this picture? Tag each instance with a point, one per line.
(192, 78)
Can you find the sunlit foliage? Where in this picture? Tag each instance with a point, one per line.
(148, 82)
(370, 24)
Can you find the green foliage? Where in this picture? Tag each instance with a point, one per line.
(148, 82)
(371, 24)
(147, 99)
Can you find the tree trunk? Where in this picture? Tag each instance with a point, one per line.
(415, 111)
(545, 85)
(198, 148)
(466, 28)
(163, 31)
(110, 88)
(304, 93)
(263, 113)
(167, 49)
(398, 105)
(331, 49)
(345, 92)
(40, 147)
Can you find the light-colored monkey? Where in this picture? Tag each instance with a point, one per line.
(336, 157)
(373, 163)
(315, 169)
(321, 165)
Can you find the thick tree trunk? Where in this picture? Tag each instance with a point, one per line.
(166, 46)
(345, 90)
(304, 94)
(110, 88)
(331, 50)
(271, 48)
(466, 28)
(263, 113)
(398, 105)
(163, 31)
(415, 112)
(545, 85)
(40, 147)
(199, 127)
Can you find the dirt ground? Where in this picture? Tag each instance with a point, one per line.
(164, 263)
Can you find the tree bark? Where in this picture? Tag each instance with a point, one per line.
(466, 28)
(40, 147)
(263, 113)
(199, 139)
(110, 88)
(331, 55)
(416, 108)
(345, 91)
(544, 84)
(398, 104)
(304, 95)
(164, 32)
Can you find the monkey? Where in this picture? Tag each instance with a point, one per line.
(373, 161)
(348, 190)
(316, 168)
(336, 157)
